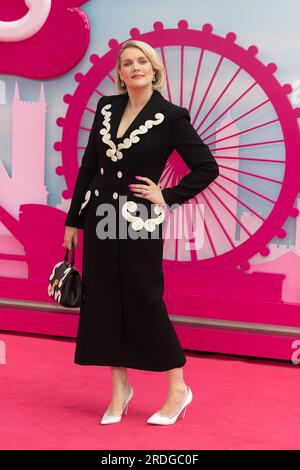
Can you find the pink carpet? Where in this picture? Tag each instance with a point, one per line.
(48, 402)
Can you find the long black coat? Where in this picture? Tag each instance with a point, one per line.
(123, 318)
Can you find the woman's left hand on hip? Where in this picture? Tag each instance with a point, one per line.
(149, 191)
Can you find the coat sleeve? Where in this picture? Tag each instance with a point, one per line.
(87, 170)
(197, 156)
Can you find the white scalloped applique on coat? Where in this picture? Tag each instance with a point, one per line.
(114, 152)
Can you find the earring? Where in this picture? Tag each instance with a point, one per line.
(153, 79)
(122, 83)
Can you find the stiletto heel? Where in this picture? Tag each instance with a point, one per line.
(111, 419)
(157, 418)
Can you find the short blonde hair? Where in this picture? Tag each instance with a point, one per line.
(159, 83)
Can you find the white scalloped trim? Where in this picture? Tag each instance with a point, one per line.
(53, 290)
(57, 295)
(114, 152)
(66, 271)
(87, 198)
(137, 222)
(53, 270)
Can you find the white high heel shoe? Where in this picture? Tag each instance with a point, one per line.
(111, 419)
(157, 418)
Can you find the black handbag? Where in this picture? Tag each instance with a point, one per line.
(65, 285)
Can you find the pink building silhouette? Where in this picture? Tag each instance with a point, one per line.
(27, 181)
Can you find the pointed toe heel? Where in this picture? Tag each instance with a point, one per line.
(107, 418)
(157, 418)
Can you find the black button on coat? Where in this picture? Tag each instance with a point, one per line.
(123, 318)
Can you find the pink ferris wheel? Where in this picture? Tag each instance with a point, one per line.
(240, 110)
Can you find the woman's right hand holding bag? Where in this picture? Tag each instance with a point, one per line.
(71, 235)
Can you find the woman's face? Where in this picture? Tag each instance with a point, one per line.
(134, 62)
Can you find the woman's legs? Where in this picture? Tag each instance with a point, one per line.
(119, 390)
(176, 380)
(119, 378)
(177, 392)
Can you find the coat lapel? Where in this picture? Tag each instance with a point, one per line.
(149, 116)
(153, 105)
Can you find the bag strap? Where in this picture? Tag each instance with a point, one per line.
(73, 255)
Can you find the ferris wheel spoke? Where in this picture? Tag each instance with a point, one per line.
(167, 75)
(178, 233)
(221, 95)
(86, 129)
(174, 178)
(268, 160)
(248, 145)
(196, 79)
(168, 167)
(167, 174)
(207, 90)
(181, 74)
(191, 228)
(221, 225)
(235, 120)
(251, 174)
(98, 92)
(181, 239)
(240, 201)
(206, 230)
(111, 78)
(169, 164)
(248, 189)
(90, 110)
(230, 212)
(228, 108)
(259, 126)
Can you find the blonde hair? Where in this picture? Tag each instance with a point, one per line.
(159, 83)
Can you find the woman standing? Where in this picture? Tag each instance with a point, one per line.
(118, 202)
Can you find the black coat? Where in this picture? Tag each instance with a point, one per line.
(123, 318)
